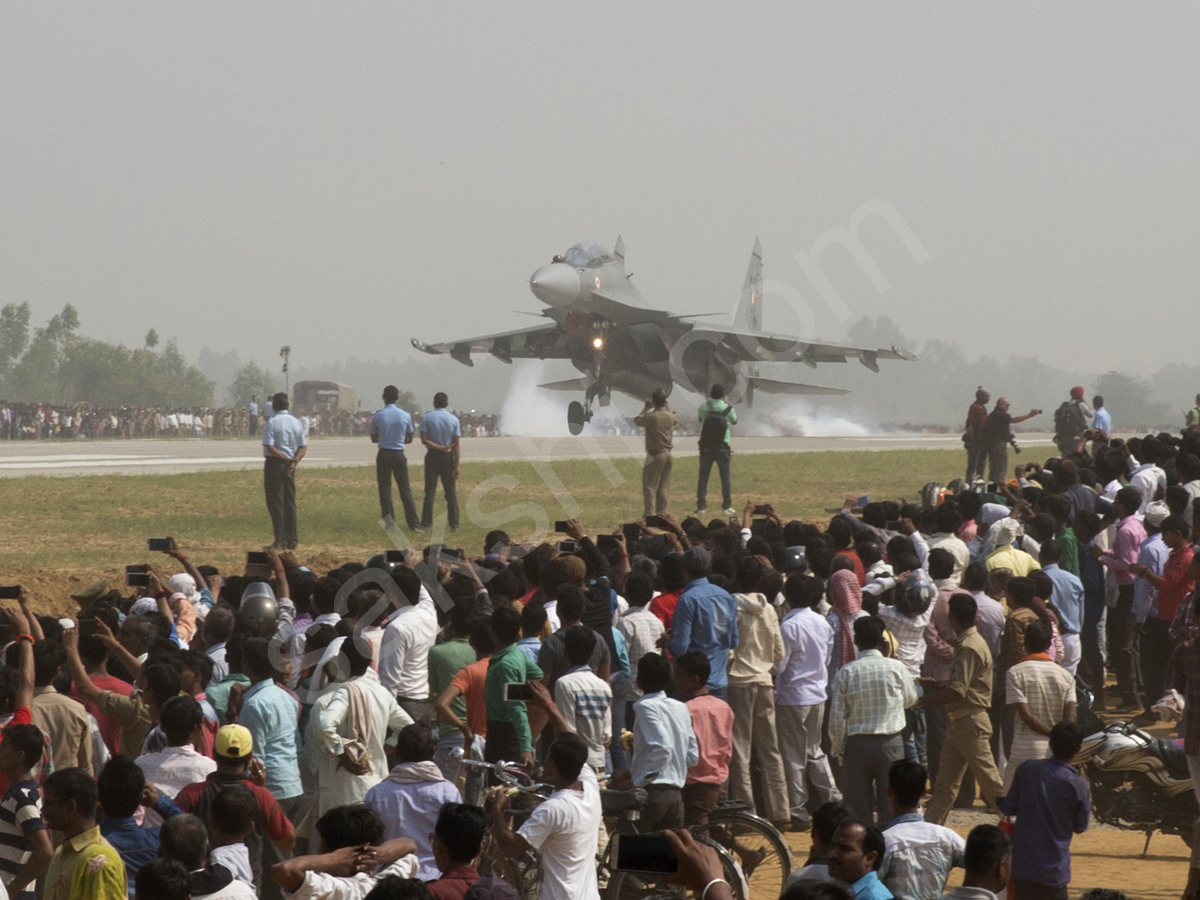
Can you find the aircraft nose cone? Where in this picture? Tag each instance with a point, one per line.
(556, 284)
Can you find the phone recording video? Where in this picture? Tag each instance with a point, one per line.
(517, 690)
(644, 853)
(566, 547)
(137, 579)
(160, 545)
(257, 558)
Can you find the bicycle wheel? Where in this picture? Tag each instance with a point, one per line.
(759, 848)
(516, 872)
(639, 886)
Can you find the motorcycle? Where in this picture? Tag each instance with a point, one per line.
(1139, 782)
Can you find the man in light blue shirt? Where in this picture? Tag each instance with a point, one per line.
(1102, 420)
(284, 445)
(252, 420)
(440, 431)
(391, 429)
(270, 714)
(1067, 596)
(664, 746)
(705, 620)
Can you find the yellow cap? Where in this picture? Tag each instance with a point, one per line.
(234, 742)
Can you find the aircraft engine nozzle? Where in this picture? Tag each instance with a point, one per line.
(556, 285)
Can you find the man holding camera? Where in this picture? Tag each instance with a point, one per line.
(997, 432)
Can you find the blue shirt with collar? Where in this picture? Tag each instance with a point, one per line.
(1067, 596)
(664, 743)
(441, 426)
(137, 845)
(1103, 420)
(869, 887)
(271, 716)
(392, 426)
(285, 433)
(1153, 556)
(706, 620)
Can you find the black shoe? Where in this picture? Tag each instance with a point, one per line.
(800, 824)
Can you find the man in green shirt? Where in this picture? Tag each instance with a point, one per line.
(446, 660)
(509, 736)
(714, 447)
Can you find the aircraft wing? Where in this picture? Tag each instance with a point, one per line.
(538, 342)
(737, 345)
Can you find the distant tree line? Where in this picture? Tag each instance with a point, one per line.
(56, 365)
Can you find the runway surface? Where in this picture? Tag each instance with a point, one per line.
(141, 457)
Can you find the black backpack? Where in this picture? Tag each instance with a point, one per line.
(1068, 421)
(712, 430)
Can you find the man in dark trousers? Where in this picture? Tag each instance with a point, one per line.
(714, 447)
(440, 431)
(284, 445)
(392, 429)
(973, 435)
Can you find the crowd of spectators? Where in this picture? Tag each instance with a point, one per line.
(288, 732)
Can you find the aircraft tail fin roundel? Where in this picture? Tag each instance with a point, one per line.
(749, 308)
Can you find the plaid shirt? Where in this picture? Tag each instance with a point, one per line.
(1186, 680)
(869, 697)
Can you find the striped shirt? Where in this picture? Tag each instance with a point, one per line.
(586, 704)
(20, 815)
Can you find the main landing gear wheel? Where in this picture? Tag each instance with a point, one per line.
(576, 417)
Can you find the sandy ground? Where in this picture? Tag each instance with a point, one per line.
(1100, 857)
(83, 457)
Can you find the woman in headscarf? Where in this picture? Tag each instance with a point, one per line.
(1000, 552)
(989, 514)
(845, 601)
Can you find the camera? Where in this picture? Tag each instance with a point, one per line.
(1013, 443)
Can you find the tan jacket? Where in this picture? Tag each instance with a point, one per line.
(658, 423)
(760, 642)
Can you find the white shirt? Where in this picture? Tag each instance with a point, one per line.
(173, 769)
(909, 632)
(235, 890)
(220, 667)
(236, 858)
(1147, 478)
(956, 547)
(323, 886)
(641, 630)
(404, 656)
(664, 742)
(335, 724)
(563, 830)
(803, 673)
(586, 706)
(917, 858)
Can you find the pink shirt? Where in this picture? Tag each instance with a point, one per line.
(1126, 548)
(712, 721)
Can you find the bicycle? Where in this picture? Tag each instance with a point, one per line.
(763, 852)
(623, 885)
(525, 872)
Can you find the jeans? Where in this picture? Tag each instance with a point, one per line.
(976, 458)
(619, 755)
(721, 458)
(1124, 637)
(1092, 639)
(389, 464)
(1156, 658)
(439, 464)
(280, 488)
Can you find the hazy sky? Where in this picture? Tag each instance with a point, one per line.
(344, 177)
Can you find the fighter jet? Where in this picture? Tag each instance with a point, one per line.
(599, 321)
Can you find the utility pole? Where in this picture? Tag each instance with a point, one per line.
(285, 352)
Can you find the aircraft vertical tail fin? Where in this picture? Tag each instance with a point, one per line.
(749, 308)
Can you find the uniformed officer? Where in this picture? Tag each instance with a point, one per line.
(392, 429)
(284, 445)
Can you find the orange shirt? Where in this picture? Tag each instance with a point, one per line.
(470, 681)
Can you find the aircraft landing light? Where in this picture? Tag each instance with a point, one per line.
(597, 342)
